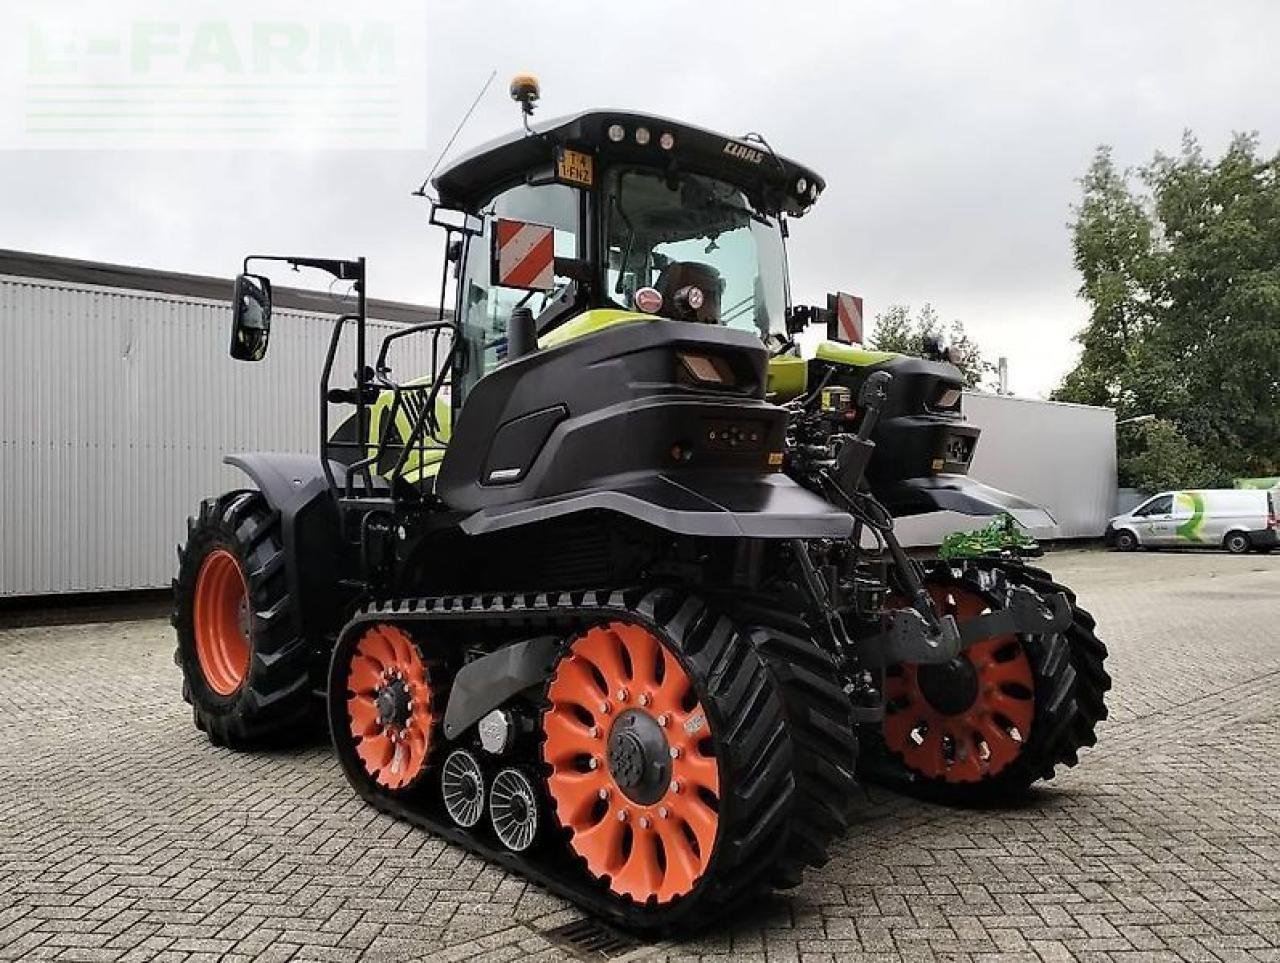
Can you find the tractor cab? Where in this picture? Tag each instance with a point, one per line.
(594, 221)
(611, 217)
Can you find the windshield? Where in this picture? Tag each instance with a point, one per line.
(671, 232)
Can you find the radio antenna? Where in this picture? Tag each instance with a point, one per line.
(422, 191)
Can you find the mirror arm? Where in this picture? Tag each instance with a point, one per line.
(342, 270)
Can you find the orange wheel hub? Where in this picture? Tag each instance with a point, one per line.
(222, 622)
(967, 719)
(634, 775)
(389, 707)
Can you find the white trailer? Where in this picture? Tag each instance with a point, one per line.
(1059, 456)
(118, 401)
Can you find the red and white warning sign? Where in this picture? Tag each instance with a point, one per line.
(846, 325)
(524, 255)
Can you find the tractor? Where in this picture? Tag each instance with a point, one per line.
(610, 595)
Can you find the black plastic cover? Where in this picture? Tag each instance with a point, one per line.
(725, 505)
(960, 493)
(769, 180)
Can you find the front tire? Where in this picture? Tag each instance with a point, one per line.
(246, 674)
(1126, 541)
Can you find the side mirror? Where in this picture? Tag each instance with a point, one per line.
(250, 317)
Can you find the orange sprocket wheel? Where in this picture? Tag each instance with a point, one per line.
(634, 775)
(391, 712)
(966, 720)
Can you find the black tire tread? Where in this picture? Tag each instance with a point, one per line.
(740, 694)
(275, 706)
(824, 743)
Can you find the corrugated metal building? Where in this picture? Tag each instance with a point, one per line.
(118, 400)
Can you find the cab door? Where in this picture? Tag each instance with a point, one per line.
(1155, 521)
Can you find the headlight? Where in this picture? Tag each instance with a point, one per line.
(949, 398)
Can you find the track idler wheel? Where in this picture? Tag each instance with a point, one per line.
(389, 710)
(462, 788)
(513, 809)
(634, 770)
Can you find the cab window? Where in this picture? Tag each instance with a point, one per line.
(486, 307)
(1160, 505)
(669, 230)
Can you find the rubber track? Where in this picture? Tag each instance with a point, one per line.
(738, 693)
(824, 742)
(1071, 684)
(275, 705)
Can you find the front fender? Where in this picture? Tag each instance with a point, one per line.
(295, 486)
(712, 504)
(959, 493)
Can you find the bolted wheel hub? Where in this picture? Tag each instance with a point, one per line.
(639, 757)
(950, 687)
(392, 702)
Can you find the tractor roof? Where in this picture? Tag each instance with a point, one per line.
(773, 183)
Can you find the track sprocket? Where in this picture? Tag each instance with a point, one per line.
(1006, 713)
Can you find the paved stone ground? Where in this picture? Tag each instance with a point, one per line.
(125, 835)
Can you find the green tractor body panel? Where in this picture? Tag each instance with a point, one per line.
(788, 377)
(849, 354)
(423, 462)
(590, 322)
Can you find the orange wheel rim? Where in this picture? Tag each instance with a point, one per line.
(222, 622)
(390, 712)
(633, 771)
(968, 720)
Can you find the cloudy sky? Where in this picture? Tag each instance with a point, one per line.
(951, 136)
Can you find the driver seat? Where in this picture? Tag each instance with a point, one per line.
(682, 274)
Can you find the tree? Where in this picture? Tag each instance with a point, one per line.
(1180, 264)
(1159, 457)
(896, 330)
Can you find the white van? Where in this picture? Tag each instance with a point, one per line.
(1236, 519)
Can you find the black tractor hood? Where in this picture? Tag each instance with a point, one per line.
(772, 182)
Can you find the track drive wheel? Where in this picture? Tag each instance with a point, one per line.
(245, 672)
(1005, 712)
(670, 760)
(383, 708)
